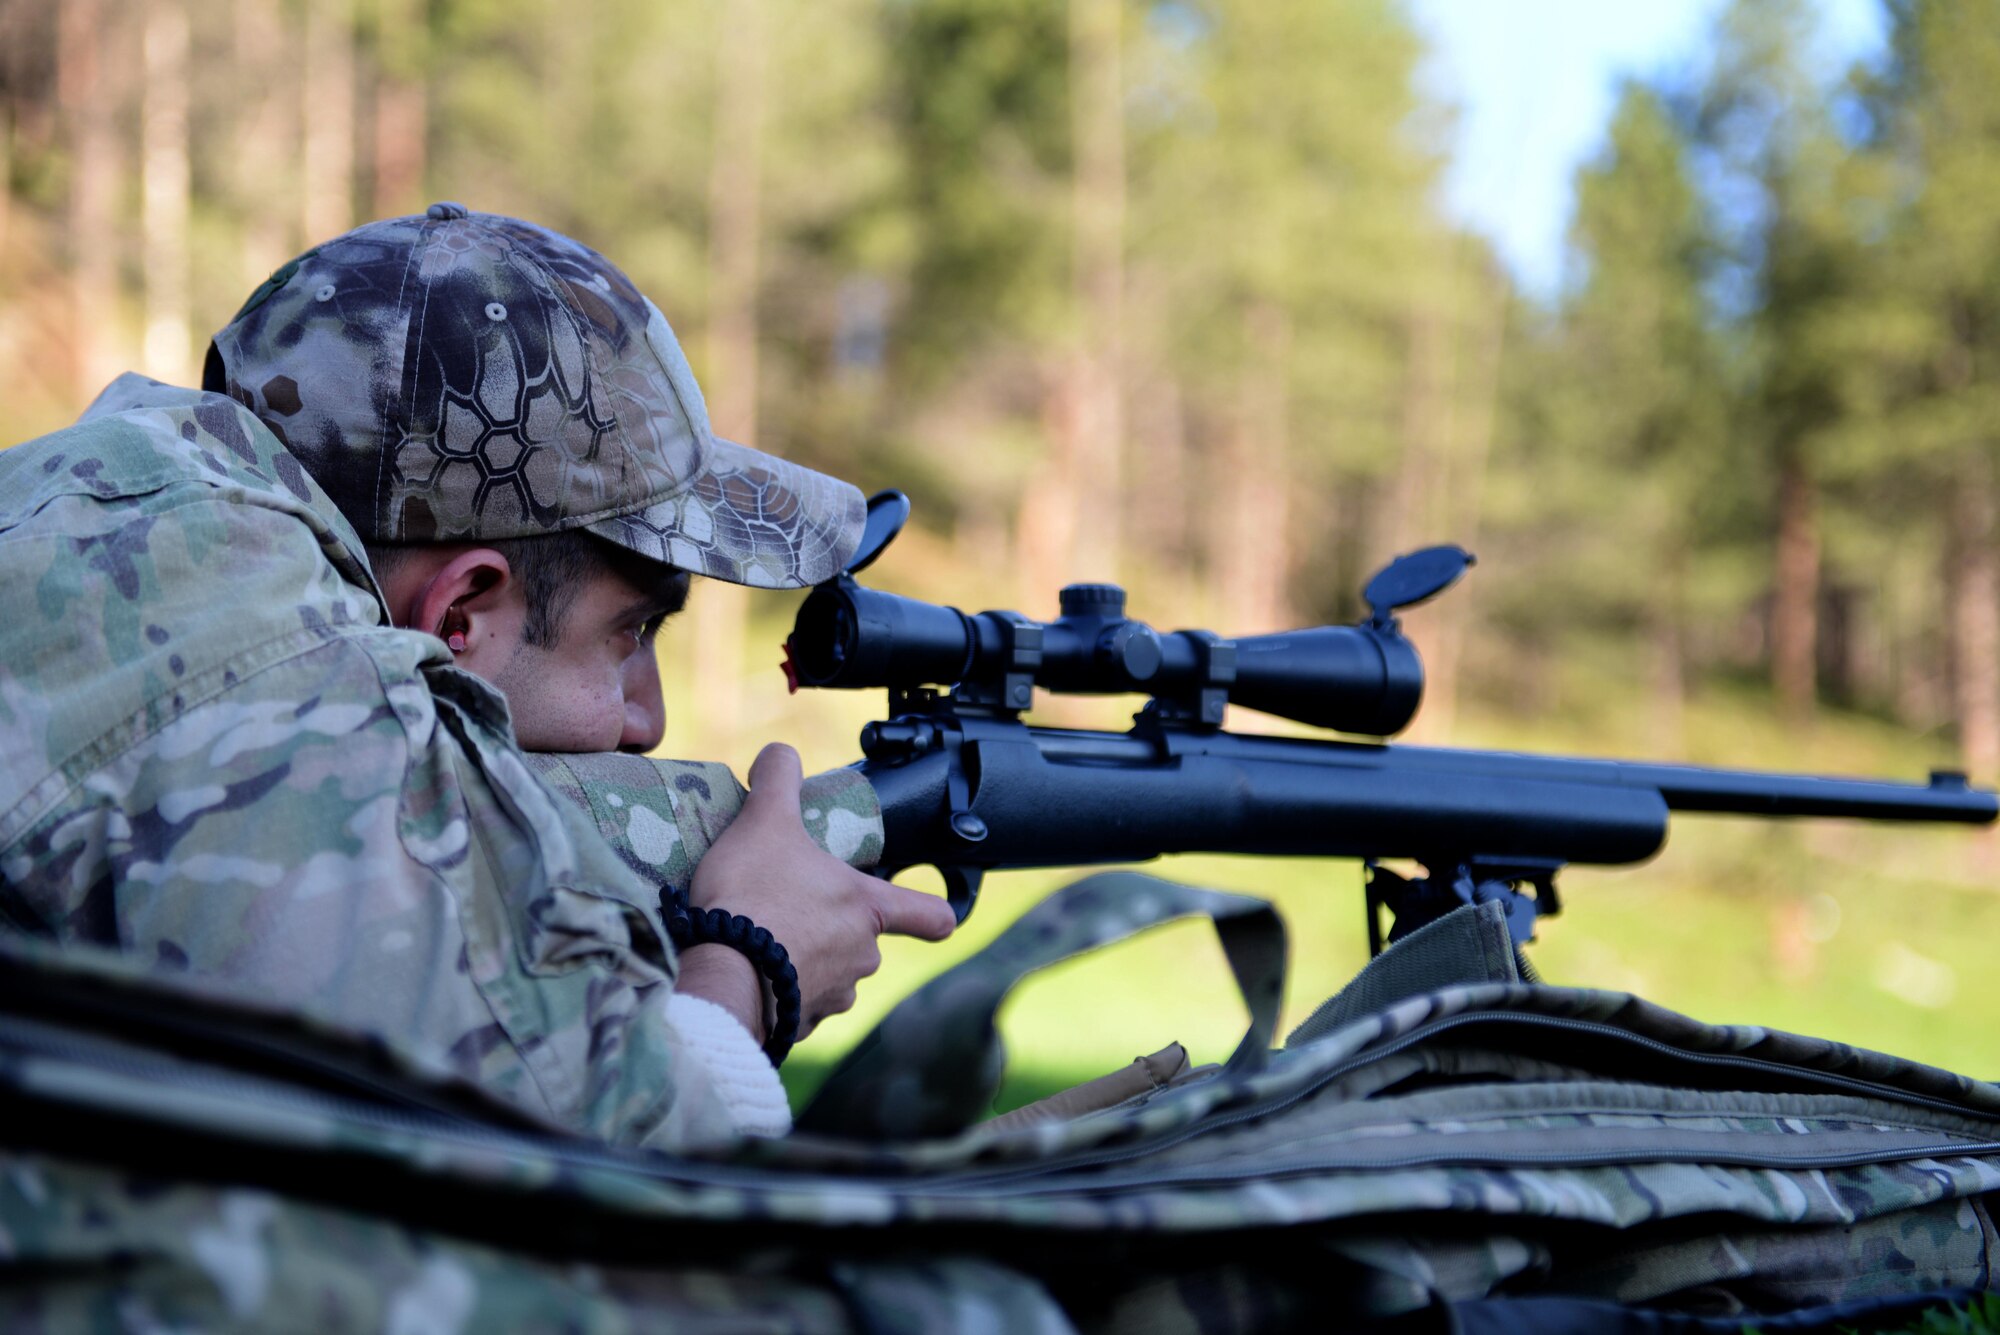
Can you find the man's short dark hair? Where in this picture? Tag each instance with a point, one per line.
(552, 567)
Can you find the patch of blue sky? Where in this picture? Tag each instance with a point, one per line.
(1533, 83)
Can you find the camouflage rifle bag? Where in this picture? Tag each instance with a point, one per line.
(1440, 1135)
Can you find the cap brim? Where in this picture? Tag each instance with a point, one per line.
(749, 518)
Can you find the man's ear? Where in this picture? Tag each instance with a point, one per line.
(463, 600)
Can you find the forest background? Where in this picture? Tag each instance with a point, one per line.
(1161, 291)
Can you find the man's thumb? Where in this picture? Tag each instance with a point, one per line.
(775, 778)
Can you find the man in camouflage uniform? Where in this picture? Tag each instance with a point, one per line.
(270, 655)
(220, 755)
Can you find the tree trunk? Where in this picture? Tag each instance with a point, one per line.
(1477, 407)
(1253, 560)
(1975, 620)
(163, 173)
(6, 176)
(1795, 593)
(326, 193)
(1052, 502)
(1069, 524)
(1158, 520)
(1416, 496)
(1096, 418)
(1411, 520)
(265, 140)
(401, 115)
(1669, 677)
(734, 220)
(401, 112)
(1915, 593)
(1158, 491)
(85, 36)
(1844, 658)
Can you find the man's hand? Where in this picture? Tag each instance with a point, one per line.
(825, 913)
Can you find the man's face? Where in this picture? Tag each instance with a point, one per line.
(597, 687)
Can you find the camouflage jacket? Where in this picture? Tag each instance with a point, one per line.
(217, 754)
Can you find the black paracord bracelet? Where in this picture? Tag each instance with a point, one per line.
(688, 926)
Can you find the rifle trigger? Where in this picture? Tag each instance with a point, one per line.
(961, 889)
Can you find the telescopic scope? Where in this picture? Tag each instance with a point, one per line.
(1358, 679)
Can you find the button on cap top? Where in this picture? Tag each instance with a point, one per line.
(446, 211)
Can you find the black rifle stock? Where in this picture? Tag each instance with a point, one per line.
(966, 786)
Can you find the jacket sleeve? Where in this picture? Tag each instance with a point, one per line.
(659, 817)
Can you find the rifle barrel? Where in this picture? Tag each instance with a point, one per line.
(1946, 797)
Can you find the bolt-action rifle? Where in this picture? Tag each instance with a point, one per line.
(967, 787)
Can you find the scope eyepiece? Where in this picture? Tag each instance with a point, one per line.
(848, 636)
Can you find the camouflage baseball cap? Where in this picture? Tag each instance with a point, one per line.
(462, 376)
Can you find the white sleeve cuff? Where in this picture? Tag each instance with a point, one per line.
(742, 1075)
